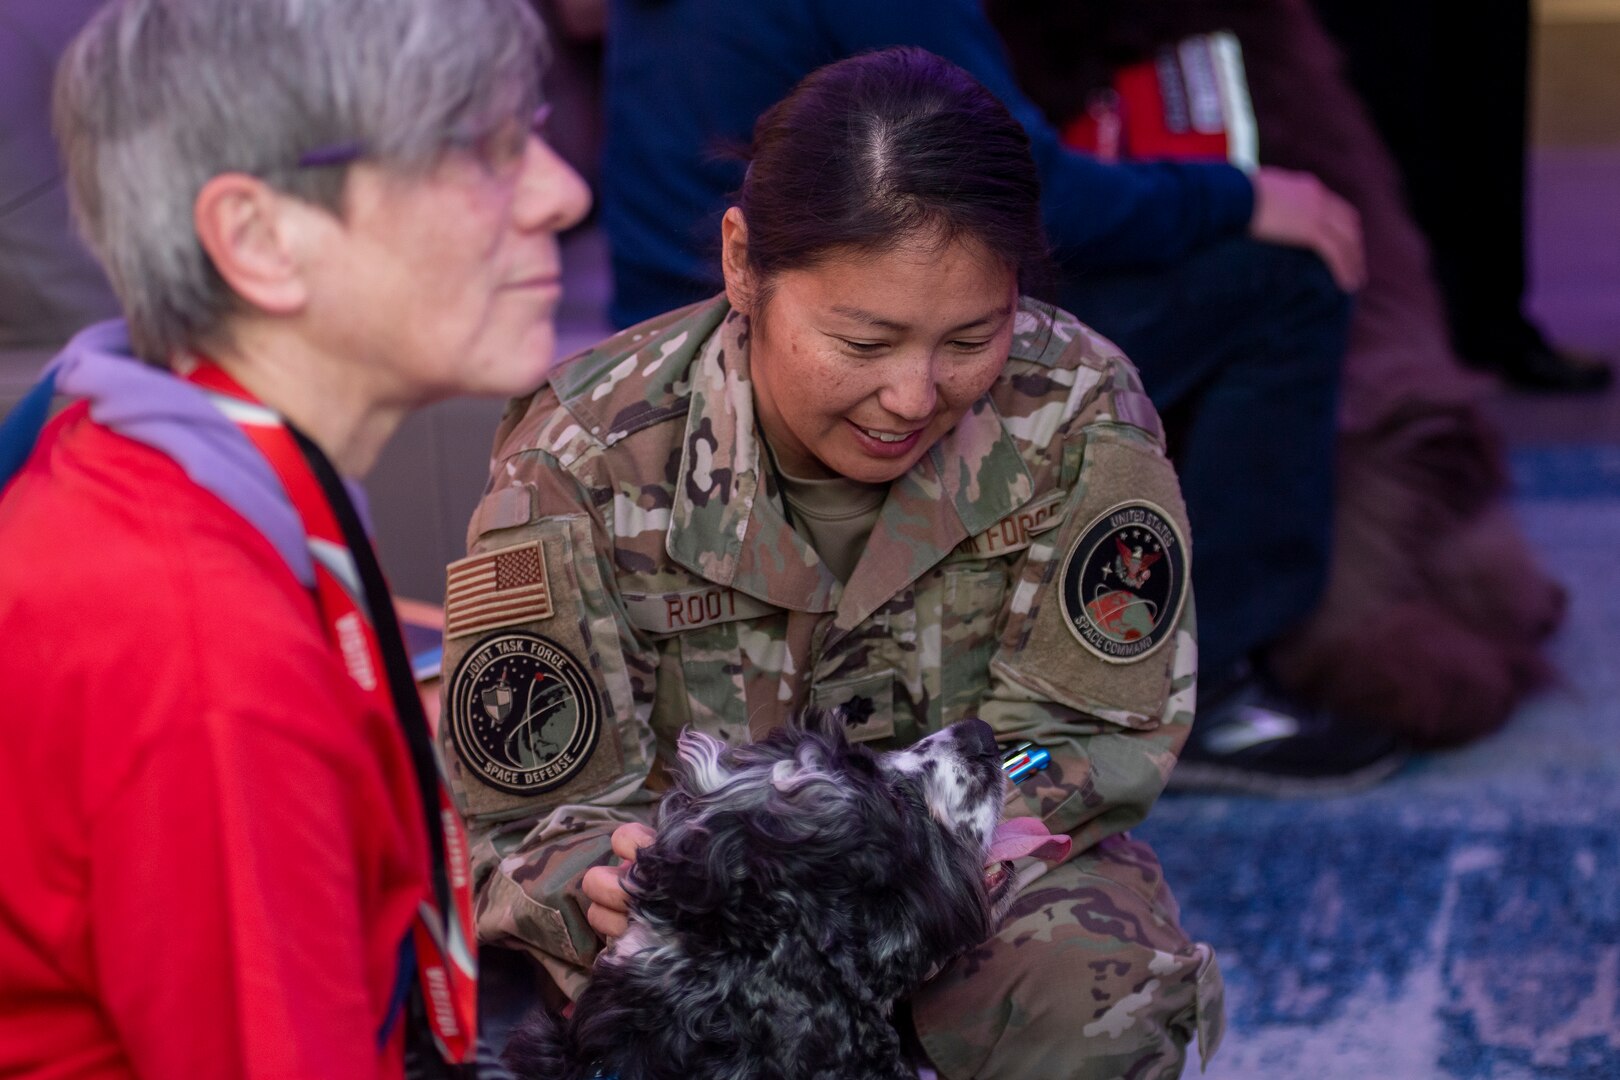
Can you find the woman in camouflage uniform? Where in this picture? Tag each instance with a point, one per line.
(869, 475)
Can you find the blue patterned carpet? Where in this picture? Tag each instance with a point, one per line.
(1463, 920)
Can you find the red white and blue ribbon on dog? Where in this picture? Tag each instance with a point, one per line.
(362, 628)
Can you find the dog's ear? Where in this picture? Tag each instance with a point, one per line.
(701, 767)
(935, 904)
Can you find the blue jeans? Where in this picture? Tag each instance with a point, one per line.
(1240, 346)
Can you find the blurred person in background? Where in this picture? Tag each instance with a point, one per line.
(1436, 617)
(1449, 91)
(50, 285)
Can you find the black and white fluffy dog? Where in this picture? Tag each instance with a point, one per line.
(798, 887)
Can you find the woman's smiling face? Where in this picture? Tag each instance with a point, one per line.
(865, 360)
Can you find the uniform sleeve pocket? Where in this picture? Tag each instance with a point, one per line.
(1098, 607)
(536, 667)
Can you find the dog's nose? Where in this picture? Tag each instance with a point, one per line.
(976, 737)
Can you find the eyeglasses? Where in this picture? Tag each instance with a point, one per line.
(498, 148)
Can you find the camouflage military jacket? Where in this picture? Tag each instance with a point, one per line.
(632, 572)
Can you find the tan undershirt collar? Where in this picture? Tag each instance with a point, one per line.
(833, 514)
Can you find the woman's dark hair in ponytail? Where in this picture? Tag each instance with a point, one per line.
(881, 149)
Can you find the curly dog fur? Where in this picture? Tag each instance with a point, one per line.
(798, 887)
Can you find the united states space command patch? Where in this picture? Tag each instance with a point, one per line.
(522, 714)
(1124, 582)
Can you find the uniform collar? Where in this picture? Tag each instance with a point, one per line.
(977, 469)
(727, 525)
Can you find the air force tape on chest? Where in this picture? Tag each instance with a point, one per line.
(524, 711)
(1017, 530)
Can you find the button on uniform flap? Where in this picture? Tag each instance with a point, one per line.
(504, 509)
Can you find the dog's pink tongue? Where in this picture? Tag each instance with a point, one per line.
(1025, 836)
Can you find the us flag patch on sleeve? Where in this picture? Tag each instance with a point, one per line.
(502, 588)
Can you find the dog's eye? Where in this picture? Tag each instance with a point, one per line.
(908, 796)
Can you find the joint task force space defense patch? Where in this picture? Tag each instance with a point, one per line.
(523, 716)
(1124, 582)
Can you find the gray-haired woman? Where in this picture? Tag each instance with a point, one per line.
(228, 853)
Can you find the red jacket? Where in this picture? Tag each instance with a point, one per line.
(212, 845)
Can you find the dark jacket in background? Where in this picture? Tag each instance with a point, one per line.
(687, 78)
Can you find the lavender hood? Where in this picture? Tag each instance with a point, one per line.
(151, 406)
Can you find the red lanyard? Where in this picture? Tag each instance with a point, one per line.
(362, 628)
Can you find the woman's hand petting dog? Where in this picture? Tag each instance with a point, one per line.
(792, 890)
(609, 913)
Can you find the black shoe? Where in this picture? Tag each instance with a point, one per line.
(1536, 364)
(1252, 742)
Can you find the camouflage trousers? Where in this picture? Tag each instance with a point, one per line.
(1090, 976)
